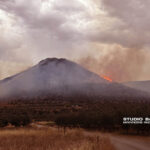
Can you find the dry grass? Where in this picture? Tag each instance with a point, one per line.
(52, 139)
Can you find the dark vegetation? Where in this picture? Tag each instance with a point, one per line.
(87, 112)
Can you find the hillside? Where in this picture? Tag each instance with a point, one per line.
(139, 85)
(54, 76)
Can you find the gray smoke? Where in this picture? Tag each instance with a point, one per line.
(119, 64)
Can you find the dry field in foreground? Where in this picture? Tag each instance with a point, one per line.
(52, 139)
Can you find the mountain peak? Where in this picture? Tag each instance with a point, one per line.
(49, 60)
(48, 75)
(57, 76)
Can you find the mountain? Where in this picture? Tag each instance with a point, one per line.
(48, 75)
(139, 85)
(54, 76)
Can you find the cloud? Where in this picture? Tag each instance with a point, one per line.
(131, 26)
(47, 16)
(50, 25)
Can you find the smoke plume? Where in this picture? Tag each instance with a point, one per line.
(120, 64)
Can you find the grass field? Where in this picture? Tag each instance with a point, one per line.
(52, 139)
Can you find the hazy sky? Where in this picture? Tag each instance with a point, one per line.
(109, 37)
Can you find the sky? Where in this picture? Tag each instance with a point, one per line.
(108, 37)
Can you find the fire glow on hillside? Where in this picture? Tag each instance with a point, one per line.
(107, 78)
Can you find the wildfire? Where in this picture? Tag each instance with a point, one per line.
(107, 78)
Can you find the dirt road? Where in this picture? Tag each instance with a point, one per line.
(130, 143)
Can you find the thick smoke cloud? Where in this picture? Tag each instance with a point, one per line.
(120, 64)
(128, 27)
(36, 29)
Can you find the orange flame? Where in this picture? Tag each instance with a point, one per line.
(107, 78)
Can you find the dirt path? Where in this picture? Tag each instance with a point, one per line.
(125, 143)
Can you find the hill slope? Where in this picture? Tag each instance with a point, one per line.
(139, 85)
(54, 76)
(48, 75)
